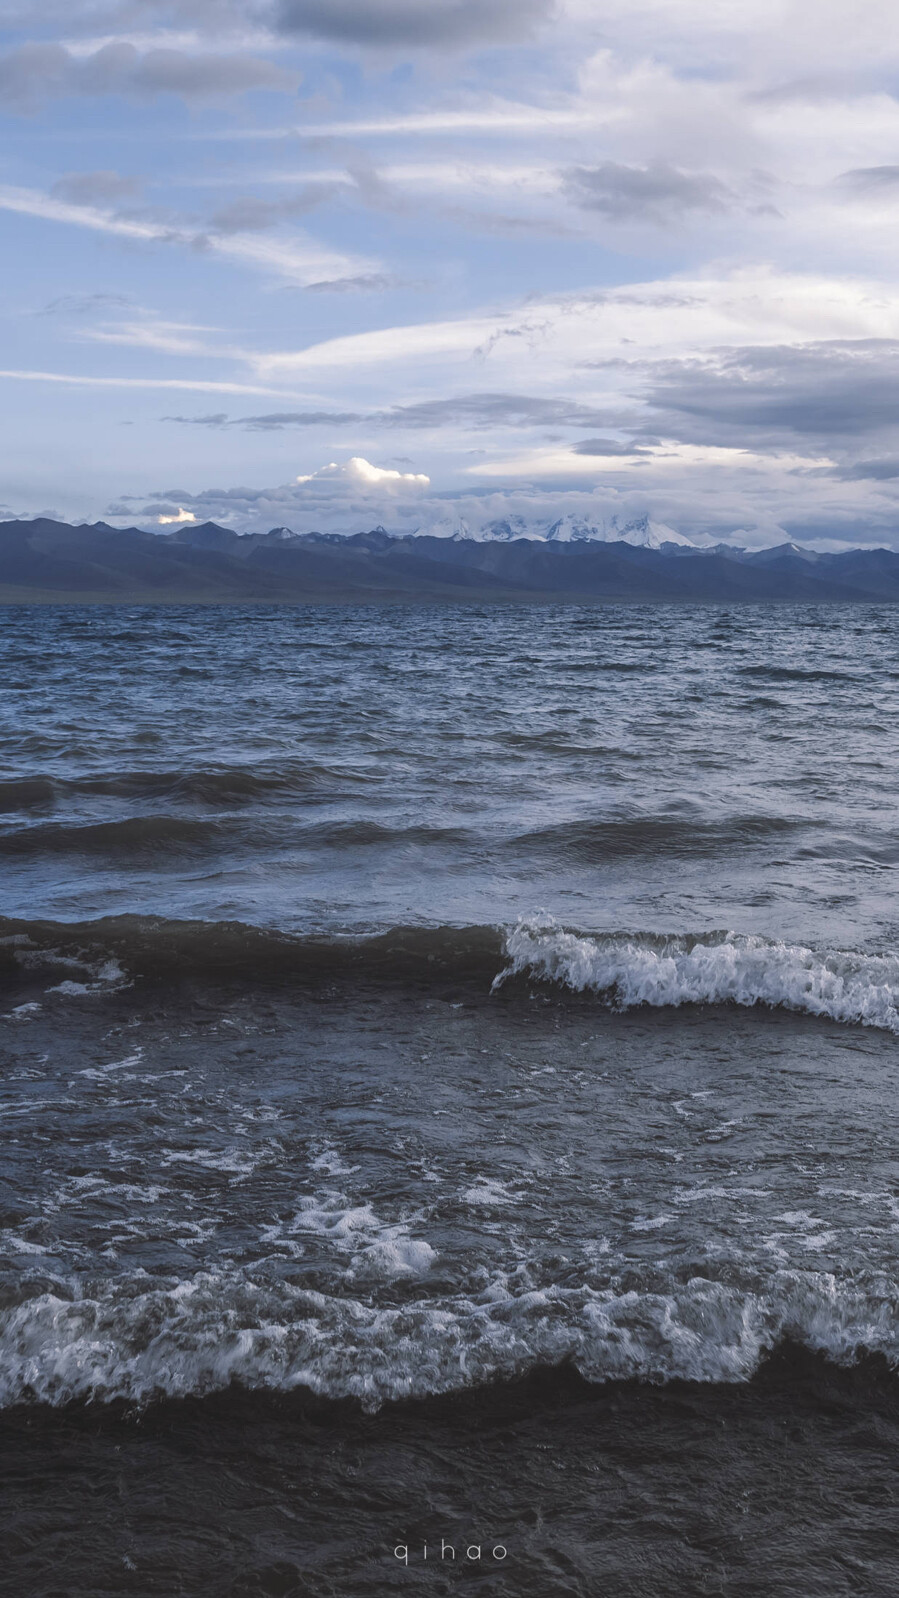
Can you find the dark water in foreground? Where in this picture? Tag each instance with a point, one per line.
(448, 1081)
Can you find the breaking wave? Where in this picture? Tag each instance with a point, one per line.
(140, 1342)
(622, 970)
(723, 968)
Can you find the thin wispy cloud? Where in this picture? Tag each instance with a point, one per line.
(76, 380)
(296, 259)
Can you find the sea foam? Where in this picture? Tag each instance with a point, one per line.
(141, 1341)
(721, 968)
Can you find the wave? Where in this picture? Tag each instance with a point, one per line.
(686, 836)
(140, 1341)
(725, 968)
(228, 786)
(136, 837)
(798, 674)
(157, 948)
(620, 970)
(130, 838)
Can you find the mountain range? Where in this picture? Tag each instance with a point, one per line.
(45, 561)
(640, 531)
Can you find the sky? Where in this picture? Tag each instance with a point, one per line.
(327, 264)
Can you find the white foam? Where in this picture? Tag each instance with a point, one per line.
(139, 1340)
(724, 968)
(21, 1245)
(489, 1192)
(392, 1257)
(332, 1163)
(237, 1164)
(129, 1062)
(22, 1012)
(103, 976)
(379, 1249)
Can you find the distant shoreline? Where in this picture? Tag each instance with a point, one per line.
(9, 599)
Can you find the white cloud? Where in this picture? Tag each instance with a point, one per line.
(700, 501)
(298, 259)
(189, 385)
(183, 516)
(546, 340)
(358, 473)
(491, 117)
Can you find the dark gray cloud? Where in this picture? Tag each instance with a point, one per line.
(278, 419)
(271, 422)
(660, 194)
(496, 410)
(37, 72)
(606, 446)
(463, 410)
(218, 419)
(413, 22)
(96, 188)
(822, 393)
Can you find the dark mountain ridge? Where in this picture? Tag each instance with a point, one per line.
(44, 561)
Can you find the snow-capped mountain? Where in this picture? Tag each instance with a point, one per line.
(640, 531)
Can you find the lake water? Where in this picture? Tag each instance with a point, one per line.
(449, 1066)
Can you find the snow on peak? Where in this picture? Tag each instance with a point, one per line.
(567, 529)
(645, 533)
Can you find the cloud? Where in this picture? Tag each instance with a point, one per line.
(698, 508)
(468, 411)
(218, 419)
(485, 116)
(37, 72)
(339, 494)
(828, 392)
(96, 188)
(882, 471)
(387, 23)
(494, 410)
(867, 178)
(660, 194)
(148, 332)
(364, 283)
(605, 447)
(298, 259)
(80, 18)
(80, 380)
(274, 421)
(248, 214)
(359, 473)
(180, 517)
(280, 419)
(86, 304)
